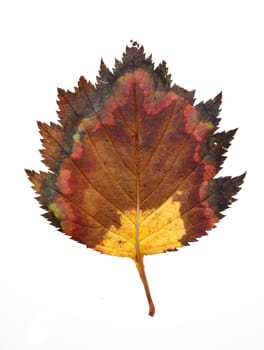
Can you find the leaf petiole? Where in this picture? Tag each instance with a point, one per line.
(143, 276)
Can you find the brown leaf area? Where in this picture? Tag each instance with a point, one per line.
(132, 163)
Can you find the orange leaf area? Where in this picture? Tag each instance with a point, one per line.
(132, 163)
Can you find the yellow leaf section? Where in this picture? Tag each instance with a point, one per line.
(160, 229)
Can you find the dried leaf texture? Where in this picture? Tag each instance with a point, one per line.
(132, 163)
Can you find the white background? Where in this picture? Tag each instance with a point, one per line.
(55, 293)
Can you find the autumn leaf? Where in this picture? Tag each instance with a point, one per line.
(132, 163)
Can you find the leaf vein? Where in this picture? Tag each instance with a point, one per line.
(179, 185)
(84, 211)
(107, 169)
(110, 138)
(173, 162)
(163, 132)
(87, 179)
(182, 215)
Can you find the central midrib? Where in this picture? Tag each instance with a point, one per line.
(139, 257)
(137, 225)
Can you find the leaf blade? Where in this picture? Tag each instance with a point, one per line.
(132, 163)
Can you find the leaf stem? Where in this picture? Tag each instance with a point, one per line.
(143, 276)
